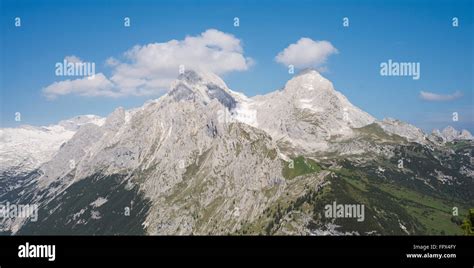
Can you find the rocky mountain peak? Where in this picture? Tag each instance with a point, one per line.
(465, 134)
(202, 86)
(449, 133)
(74, 123)
(403, 129)
(309, 80)
(198, 77)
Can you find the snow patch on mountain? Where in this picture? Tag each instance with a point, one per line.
(25, 148)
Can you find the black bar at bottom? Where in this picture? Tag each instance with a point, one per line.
(90, 250)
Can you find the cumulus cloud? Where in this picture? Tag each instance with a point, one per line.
(149, 69)
(306, 53)
(72, 59)
(112, 62)
(430, 96)
(97, 85)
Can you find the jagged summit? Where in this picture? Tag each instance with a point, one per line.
(202, 86)
(403, 129)
(449, 134)
(201, 77)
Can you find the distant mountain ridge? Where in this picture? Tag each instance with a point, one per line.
(25, 148)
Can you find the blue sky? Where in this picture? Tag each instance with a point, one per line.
(411, 31)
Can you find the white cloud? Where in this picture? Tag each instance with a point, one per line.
(149, 69)
(72, 59)
(111, 61)
(306, 53)
(429, 96)
(97, 85)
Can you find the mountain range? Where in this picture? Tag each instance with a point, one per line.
(204, 159)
